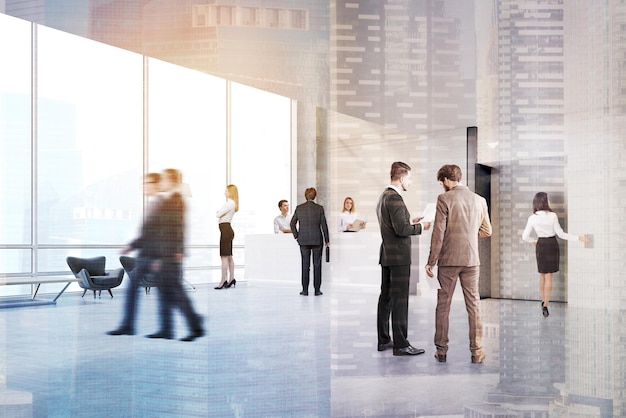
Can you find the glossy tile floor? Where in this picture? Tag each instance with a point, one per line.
(273, 353)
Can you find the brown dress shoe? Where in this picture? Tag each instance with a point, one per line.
(441, 358)
(479, 358)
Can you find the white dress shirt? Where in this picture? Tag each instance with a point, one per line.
(226, 212)
(344, 219)
(546, 225)
(282, 222)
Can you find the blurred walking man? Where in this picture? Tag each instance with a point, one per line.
(149, 253)
(171, 292)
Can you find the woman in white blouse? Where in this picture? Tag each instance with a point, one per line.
(546, 225)
(347, 216)
(225, 216)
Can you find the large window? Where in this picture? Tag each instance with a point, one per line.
(15, 146)
(261, 157)
(81, 122)
(187, 130)
(89, 142)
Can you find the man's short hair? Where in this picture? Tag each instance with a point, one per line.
(451, 172)
(399, 169)
(280, 203)
(310, 193)
(173, 175)
(152, 178)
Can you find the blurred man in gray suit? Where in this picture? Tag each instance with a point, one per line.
(461, 218)
(311, 229)
(396, 229)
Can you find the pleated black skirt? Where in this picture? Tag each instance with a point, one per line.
(226, 239)
(547, 252)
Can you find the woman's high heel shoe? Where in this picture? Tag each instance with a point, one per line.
(223, 285)
(232, 283)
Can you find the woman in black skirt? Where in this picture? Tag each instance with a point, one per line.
(225, 215)
(546, 225)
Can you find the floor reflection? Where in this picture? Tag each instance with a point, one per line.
(273, 353)
(569, 364)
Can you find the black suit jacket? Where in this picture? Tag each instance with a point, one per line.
(395, 229)
(163, 231)
(148, 241)
(312, 226)
(172, 234)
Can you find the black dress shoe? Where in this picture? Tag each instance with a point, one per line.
(409, 350)
(441, 358)
(385, 346)
(121, 331)
(546, 313)
(479, 358)
(304, 293)
(318, 293)
(160, 335)
(195, 334)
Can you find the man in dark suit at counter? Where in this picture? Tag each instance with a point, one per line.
(312, 227)
(396, 229)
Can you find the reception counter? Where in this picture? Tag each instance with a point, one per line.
(353, 259)
(274, 257)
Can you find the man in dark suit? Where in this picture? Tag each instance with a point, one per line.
(149, 252)
(311, 229)
(461, 218)
(396, 229)
(172, 236)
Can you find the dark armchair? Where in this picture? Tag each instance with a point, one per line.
(147, 281)
(93, 276)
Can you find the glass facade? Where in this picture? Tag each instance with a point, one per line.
(259, 120)
(15, 154)
(81, 121)
(192, 138)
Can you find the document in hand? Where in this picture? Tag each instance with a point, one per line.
(429, 213)
(356, 225)
(433, 282)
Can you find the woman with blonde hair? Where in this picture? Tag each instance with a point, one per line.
(225, 216)
(347, 216)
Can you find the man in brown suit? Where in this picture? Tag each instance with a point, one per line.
(461, 218)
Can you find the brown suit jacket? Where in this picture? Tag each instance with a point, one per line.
(461, 218)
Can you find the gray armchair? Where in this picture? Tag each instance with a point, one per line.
(93, 276)
(147, 281)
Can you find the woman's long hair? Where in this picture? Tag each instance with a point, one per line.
(540, 202)
(344, 205)
(233, 194)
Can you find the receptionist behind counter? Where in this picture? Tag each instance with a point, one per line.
(281, 222)
(348, 220)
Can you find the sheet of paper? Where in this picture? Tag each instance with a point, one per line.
(433, 282)
(429, 213)
(356, 225)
